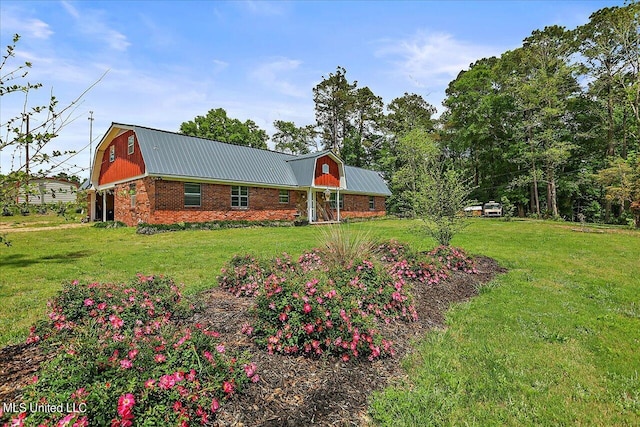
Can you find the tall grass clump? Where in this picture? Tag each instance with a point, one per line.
(341, 245)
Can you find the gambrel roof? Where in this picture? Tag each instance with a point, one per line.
(173, 155)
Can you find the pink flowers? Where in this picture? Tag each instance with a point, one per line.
(166, 382)
(116, 322)
(125, 406)
(136, 355)
(228, 387)
(307, 308)
(250, 370)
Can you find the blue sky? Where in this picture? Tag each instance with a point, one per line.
(168, 62)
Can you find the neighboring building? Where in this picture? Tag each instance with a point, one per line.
(49, 190)
(154, 176)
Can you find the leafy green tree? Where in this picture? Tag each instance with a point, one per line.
(216, 125)
(334, 100)
(289, 138)
(478, 127)
(429, 188)
(363, 136)
(542, 86)
(406, 113)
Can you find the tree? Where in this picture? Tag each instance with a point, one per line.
(478, 127)
(542, 84)
(292, 139)
(621, 180)
(216, 125)
(363, 135)
(334, 99)
(436, 192)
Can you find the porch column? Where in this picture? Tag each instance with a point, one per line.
(310, 205)
(91, 205)
(338, 202)
(104, 206)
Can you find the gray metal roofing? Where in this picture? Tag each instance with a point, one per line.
(170, 154)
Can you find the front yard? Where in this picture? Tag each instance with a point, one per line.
(553, 341)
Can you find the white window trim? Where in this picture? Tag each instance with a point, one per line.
(281, 195)
(199, 193)
(239, 197)
(131, 144)
(112, 154)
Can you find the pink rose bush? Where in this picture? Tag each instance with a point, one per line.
(125, 359)
(313, 307)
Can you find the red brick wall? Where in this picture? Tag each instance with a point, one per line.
(144, 195)
(357, 206)
(125, 165)
(215, 204)
(162, 202)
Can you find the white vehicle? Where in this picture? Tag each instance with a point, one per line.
(492, 208)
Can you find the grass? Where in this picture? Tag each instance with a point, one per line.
(552, 342)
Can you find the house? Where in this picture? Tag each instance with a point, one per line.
(159, 177)
(48, 190)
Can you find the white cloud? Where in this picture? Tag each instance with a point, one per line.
(92, 23)
(432, 59)
(26, 27)
(273, 75)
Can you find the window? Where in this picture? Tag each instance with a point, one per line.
(192, 193)
(325, 168)
(239, 197)
(372, 203)
(332, 201)
(112, 153)
(130, 144)
(132, 193)
(284, 196)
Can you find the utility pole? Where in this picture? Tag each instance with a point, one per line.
(90, 142)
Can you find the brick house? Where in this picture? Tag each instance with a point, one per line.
(159, 177)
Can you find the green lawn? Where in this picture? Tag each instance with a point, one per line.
(553, 342)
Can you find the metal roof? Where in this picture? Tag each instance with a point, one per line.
(365, 181)
(169, 154)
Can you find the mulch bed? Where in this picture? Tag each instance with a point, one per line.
(293, 391)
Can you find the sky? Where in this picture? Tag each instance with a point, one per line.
(167, 62)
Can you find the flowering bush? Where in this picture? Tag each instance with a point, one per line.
(242, 276)
(453, 259)
(302, 314)
(124, 360)
(319, 306)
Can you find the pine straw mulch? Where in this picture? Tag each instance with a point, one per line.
(293, 391)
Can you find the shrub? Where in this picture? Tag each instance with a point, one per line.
(318, 306)
(123, 358)
(311, 316)
(453, 259)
